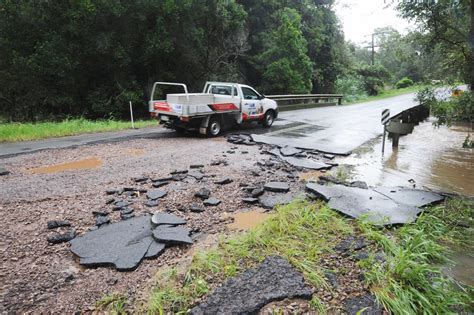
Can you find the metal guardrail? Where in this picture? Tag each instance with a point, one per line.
(306, 100)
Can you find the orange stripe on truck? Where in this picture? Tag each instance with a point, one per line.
(223, 107)
(163, 106)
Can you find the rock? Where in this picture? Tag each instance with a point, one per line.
(156, 194)
(257, 192)
(53, 224)
(230, 151)
(155, 250)
(110, 201)
(203, 193)
(196, 208)
(160, 218)
(159, 184)
(351, 243)
(359, 184)
(196, 174)
(121, 204)
(277, 187)
(4, 171)
(101, 220)
(255, 173)
(127, 216)
(268, 201)
(355, 202)
(250, 200)
(126, 210)
(111, 191)
(196, 166)
(329, 156)
(244, 152)
(122, 244)
(365, 304)
(179, 177)
(331, 279)
(289, 151)
(306, 163)
(361, 255)
(178, 172)
(273, 280)
(211, 202)
(151, 203)
(61, 238)
(172, 235)
(223, 181)
(140, 179)
(163, 179)
(100, 212)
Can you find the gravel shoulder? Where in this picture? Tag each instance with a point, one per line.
(40, 277)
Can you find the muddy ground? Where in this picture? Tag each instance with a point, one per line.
(36, 276)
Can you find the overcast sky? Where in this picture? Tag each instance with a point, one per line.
(359, 18)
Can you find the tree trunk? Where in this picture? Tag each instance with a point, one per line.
(471, 49)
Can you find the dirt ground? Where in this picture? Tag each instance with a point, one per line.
(69, 184)
(39, 277)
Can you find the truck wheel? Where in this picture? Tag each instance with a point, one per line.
(214, 127)
(269, 118)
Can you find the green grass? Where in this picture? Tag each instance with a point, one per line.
(387, 93)
(411, 281)
(112, 304)
(10, 132)
(301, 232)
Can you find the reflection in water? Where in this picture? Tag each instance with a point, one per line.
(432, 157)
(89, 163)
(248, 220)
(463, 270)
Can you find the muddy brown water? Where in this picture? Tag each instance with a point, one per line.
(248, 220)
(89, 163)
(433, 157)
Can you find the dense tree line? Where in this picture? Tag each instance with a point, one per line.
(90, 57)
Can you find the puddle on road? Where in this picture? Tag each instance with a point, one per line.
(248, 220)
(89, 163)
(431, 156)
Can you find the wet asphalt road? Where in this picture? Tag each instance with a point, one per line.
(334, 129)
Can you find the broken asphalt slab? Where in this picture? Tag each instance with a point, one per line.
(269, 201)
(375, 206)
(301, 162)
(273, 280)
(409, 196)
(172, 235)
(122, 244)
(277, 187)
(166, 218)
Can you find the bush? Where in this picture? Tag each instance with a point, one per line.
(404, 82)
(351, 87)
(373, 77)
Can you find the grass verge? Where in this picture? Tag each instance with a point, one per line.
(113, 304)
(410, 280)
(388, 93)
(301, 232)
(10, 132)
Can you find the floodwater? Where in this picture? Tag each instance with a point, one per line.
(463, 269)
(248, 220)
(430, 157)
(89, 163)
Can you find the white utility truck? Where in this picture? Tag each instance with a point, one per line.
(220, 105)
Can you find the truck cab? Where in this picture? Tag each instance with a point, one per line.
(220, 105)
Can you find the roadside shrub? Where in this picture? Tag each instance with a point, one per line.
(403, 83)
(351, 87)
(373, 77)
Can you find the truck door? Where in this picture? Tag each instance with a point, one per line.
(252, 107)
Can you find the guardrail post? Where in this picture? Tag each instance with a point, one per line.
(339, 101)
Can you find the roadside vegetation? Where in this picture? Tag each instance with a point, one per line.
(385, 93)
(410, 280)
(10, 132)
(407, 280)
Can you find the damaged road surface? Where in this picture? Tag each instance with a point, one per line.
(126, 243)
(382, 205)
(275, 279)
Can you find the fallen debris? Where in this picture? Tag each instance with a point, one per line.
(269, 201)
(365, 304)
(376, 207)
(196, 208)
(203, 193)
(61, 238)
(211, 202)
(223, 181)
(101, 220)
(4, 171)
(172, 235)
(277, 187)
(289, 151)
(156, 194)
(54, 224)
(160, 218)
(274, 279)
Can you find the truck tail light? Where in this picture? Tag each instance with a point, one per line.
(184, 118)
